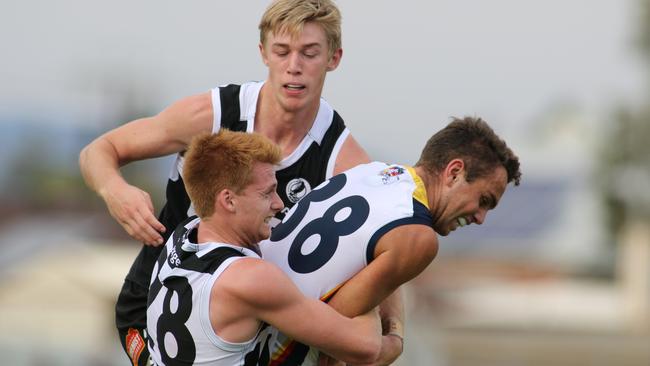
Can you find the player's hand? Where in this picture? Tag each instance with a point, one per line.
(392, 341)
(132, 208)
(391, 348)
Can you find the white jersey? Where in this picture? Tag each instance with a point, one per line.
(178, 321)
(331, 233)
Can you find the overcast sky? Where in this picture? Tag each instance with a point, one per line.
(407, 66)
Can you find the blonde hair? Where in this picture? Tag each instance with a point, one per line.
(291, 15)
(214, 162)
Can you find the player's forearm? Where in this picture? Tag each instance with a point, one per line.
(391, 311)
(366, 290)
(353, 340)
(353, 301)
(361, 343)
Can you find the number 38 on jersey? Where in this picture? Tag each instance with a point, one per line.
(316, 237)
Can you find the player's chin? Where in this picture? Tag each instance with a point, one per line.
(443, 231)
(265, 233)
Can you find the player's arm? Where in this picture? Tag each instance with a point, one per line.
(391, 312)
(392, 308)
(269, 295)
(168, 132)
(400, 255)
(350, 155)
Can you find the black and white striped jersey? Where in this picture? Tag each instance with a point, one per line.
(234, 107)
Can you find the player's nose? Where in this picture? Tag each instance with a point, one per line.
(294, 66)
(479, 217)
(277, 204)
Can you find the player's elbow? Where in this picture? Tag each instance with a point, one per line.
(83, 154)
(83, 159)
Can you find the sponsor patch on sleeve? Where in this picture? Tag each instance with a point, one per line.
(391, 174)
(134, 345)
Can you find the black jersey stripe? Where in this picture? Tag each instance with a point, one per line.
(421, 216)
(230, 109)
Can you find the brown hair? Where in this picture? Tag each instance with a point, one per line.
(291, 15)
(224, 160)
(473, 141)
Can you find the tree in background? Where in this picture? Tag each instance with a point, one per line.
(624, 178)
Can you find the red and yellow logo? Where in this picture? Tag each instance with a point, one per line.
(134, 345)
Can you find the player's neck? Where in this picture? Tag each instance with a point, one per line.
(210, 231)
(431, 186)
(286, 128)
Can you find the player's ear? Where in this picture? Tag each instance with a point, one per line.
(335, 60)
(225, 200)
(454, 171)
(265, 59)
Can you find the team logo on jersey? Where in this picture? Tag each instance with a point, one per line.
(134, 345)
(297, 188)
(173, 259)
(391, 174)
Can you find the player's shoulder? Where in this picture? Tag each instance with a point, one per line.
(424, 242)
(195, 102)
(195, 111)
(350, 155)
(424, 234)
(416, 232)
(252, 279)
(416, 239)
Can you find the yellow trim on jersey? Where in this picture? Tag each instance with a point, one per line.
(331, 292)
(420, 192)
(280, 352)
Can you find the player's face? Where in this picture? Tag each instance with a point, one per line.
(468, 203)
(298, 65)
(258, 203)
